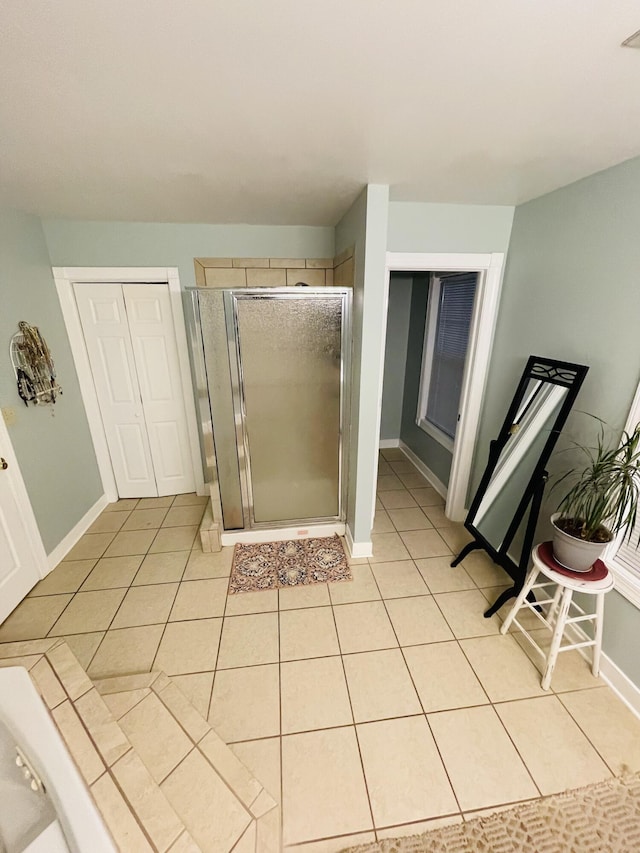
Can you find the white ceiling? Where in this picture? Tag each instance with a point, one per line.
(278, 111)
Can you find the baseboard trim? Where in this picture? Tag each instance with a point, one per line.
(62, 548)
(620, 684)
(437, 484)
(385, 443)
(357, 550)
(618, 681)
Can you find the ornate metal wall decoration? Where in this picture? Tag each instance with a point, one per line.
(33, 366)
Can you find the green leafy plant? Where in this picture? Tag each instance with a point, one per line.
(603, 500)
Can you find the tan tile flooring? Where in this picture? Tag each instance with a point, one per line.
(375, 708)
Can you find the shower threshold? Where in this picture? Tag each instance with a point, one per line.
(278, 534)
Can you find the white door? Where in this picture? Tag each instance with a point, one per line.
(158, 369)
(21, 551)
(130, 342)
(106, 333)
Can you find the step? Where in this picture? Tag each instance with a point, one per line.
(160, 775)
(210, 531)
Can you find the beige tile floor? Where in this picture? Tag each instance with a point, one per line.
(375, 708)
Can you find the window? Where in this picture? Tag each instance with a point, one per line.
(449, 314)
(622, 556)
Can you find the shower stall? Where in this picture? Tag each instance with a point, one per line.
(272, 368)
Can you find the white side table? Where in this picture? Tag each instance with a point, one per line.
(595, 582)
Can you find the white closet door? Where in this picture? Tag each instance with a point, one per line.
(158, 369)
(106, 332)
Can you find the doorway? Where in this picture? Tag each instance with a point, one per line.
(488, 271)
(127, 335)
(428, 322)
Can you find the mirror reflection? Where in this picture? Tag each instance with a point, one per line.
(516, 464)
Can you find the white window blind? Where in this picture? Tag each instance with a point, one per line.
(628, 555)
(455, 310)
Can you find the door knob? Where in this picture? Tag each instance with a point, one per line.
(3, 464)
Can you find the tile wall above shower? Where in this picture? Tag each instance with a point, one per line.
(275, 272)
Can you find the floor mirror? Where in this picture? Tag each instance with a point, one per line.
(503, 514)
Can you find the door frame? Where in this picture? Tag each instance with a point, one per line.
(65, 278)
(490, 267)
(231, 297)
(19, 489)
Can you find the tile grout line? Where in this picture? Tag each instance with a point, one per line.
(184, 571)
(614, 773)
(196, 748)
(73, 595)
(108, 767)
(353, 717)
(215, 663)
(457, 639)
(488, 697)
(116, 693)
(491, 704)
(164, 630)
(158, 583)
(125, 595)
(444, 766)
(146, 554)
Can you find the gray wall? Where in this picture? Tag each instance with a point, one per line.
(395, 356)
(572, 291)
(418, 227)
(52, 443)
(155, 244)
(431, 452)
(364, 226)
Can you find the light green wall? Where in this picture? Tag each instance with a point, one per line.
(156, 244)
(364, 226)
(431, 452)
(572, 291)
(350, 231)
(395, 356)
(464, 228)
(52, 443)
(418, 227)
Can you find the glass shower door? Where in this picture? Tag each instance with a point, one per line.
(290, 400)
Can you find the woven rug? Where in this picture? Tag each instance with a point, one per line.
(602, 818)
(295, 562)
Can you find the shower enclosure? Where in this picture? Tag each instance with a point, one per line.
(271, 366)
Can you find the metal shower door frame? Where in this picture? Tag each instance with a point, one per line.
(231, 298)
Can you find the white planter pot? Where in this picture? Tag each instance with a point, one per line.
(572, 553)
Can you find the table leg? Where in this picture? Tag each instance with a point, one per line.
(557, 638)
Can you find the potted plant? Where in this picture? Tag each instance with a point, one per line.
(601, 503)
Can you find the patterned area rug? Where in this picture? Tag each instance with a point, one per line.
(295, 562)
(602, 818)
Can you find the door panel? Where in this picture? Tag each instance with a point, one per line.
(132, 441)
(106, 333)
(158, 371)
(114, 362)
(290, 363)
(166, 436)
(219, 403)
(18, 561)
